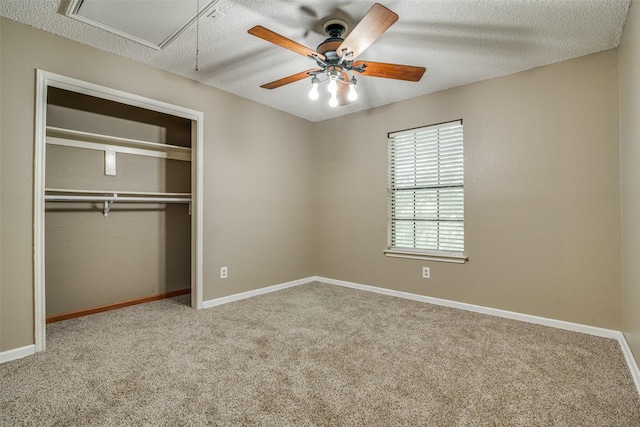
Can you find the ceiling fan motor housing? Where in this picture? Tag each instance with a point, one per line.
(335, 28)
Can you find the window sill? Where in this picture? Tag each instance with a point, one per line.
(430, 256)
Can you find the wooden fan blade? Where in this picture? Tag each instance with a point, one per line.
(391, 71)
(290, 79)
(374, 23)
(284, 42)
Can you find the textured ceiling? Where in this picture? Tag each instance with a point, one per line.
(458, 41)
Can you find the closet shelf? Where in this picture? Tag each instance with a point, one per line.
(95, 141)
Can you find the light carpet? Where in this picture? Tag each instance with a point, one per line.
(316, 355)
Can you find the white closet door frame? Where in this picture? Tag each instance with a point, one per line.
(44, 80)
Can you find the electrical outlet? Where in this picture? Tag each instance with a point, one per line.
(426, 273)
(223, 272)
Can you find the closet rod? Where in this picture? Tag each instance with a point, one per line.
(108, 200)
(50, 190)
(115, 198)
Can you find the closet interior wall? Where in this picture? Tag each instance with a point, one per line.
(139, 249)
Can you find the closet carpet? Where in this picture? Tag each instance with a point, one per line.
(316, 354)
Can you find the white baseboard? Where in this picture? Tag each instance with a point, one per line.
(237, 297)
(631, 361)
(560, 324)
(17, 353)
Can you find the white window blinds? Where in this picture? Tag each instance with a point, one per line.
(426, 192)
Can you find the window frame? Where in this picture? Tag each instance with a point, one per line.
(418, 253)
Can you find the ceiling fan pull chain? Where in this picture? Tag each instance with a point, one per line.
(197, 32)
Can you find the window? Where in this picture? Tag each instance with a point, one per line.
(426, 193)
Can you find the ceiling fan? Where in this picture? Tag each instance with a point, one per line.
(336, 57)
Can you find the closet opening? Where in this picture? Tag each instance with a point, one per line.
(118, 211)
(110, 237)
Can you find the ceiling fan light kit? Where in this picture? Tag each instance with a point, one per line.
(336, 56)
(353, 95)
(313, 93)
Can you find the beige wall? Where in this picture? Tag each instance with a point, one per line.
(258, 221)
(629, 75)
(282, 203)
(542, 225)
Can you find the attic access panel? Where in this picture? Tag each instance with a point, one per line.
(153, 23)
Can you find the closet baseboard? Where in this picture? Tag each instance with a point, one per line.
(88, 311)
